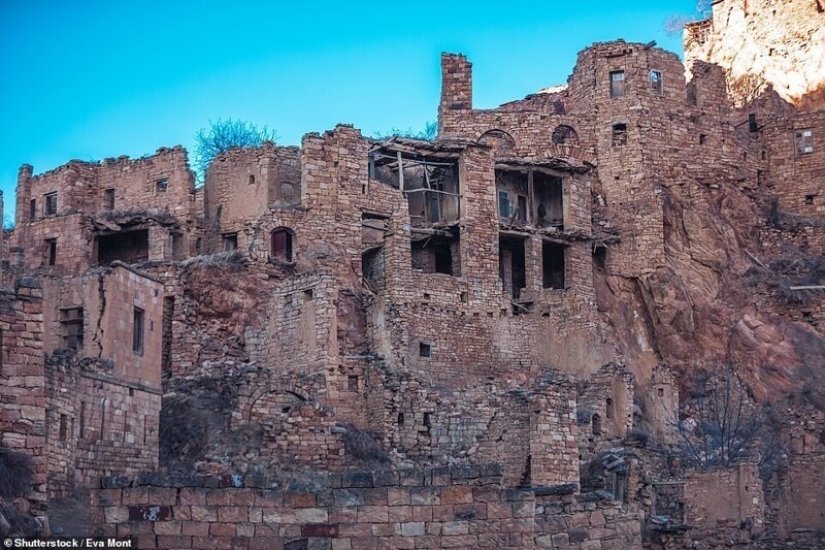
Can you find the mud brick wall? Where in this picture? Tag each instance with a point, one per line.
(96, 424)
(713, 498)
(22, 378)
(440, 508)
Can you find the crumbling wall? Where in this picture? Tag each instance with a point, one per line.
(440, 508)
(714, 498)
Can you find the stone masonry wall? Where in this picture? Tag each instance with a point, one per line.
(97, 424)
(22, 382)
(712, 498)
(441, 508)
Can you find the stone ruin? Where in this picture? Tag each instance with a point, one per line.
(482, 341)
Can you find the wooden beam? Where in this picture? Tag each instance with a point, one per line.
(400, 172)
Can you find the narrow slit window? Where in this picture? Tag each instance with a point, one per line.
(617, 84)
(51, 251)
(656, 83)
(137, 331)
(71, 324)
(109, 199)
(33, 209)
(619, 135)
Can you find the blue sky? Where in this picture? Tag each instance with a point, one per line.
(89, 79)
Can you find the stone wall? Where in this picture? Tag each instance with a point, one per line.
(97, 423)
(441, 508)
(114, 190)
(714, 498)
(22, 378)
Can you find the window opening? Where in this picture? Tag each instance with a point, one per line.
(656, 82)
(161, 186)
(230, 241)
(109, 199)
(64, 428)
(617, 85)
(352, 383)
(251, 179)
(51, 251)
(128, 246)
(137, 331)
(809, 199)
(50, 204)
(82, 419)
(512, 268)
(281, 245)
(608, 409)
(33, 209)
(702, 139)
(425, 349)
(619, 135)
(513, 189)
(436, 254)
(503, 205)
(549, 200)
(553, 260)
(597, 424)
(71, 323)
(804, 142)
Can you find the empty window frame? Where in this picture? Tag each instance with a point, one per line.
(108, 199)
(503, 204)
(161, 186)
(281, 245)
(656, 83)
(127, 246)
(137, 331)
(33, 209)
(436, 255)
(617, 84)
(230, 241)
(50, 204)
(51, 251)
(71, 327)
(804, 141)
(619, 135)
(425, 349)
(553, 264)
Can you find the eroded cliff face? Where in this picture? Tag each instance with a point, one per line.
(728, 293)
(780, 43)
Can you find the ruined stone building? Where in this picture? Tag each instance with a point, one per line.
(481, 321)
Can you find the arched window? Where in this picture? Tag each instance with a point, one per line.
(281, 248)
(565, 140)
(609, 408)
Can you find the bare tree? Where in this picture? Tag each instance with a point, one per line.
(227, 134)
(723, 422)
